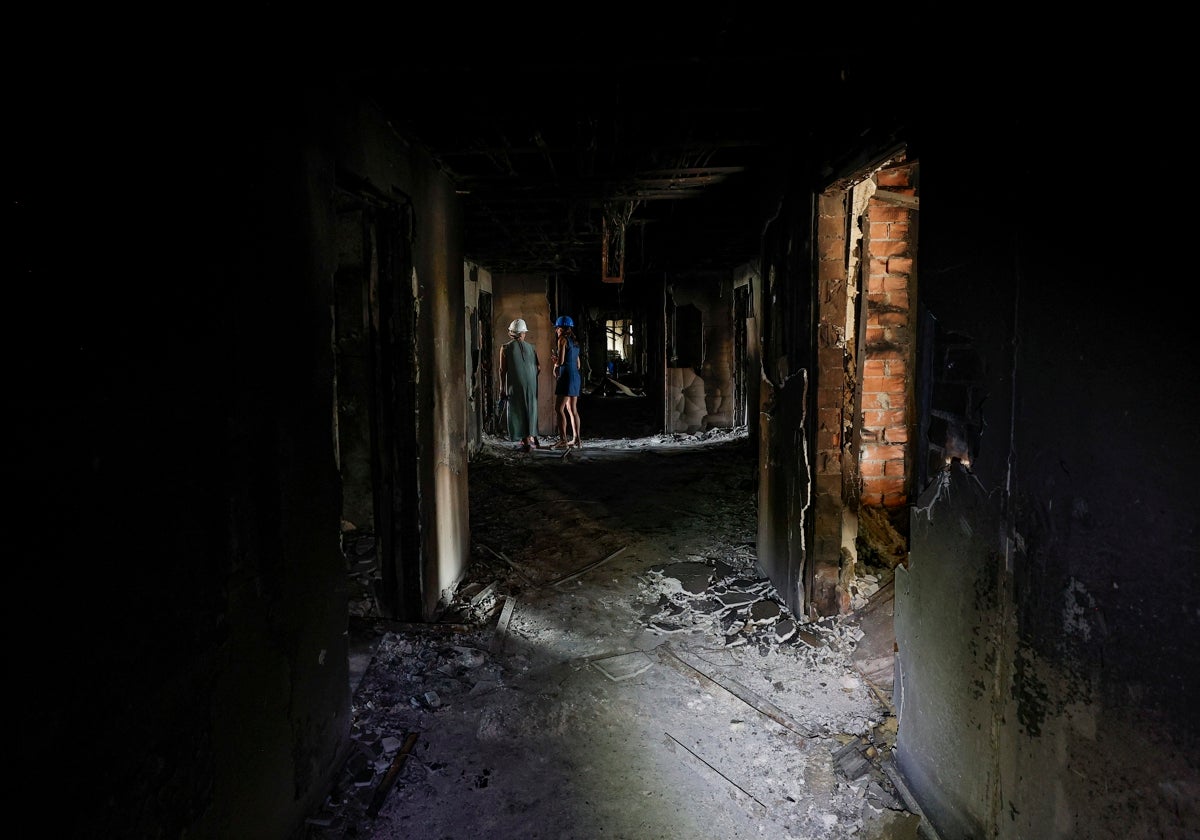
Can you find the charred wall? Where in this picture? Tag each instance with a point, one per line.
(1043, 664)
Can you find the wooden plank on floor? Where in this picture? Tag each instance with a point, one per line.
(498, 640)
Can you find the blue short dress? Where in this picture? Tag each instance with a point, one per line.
(569, 382)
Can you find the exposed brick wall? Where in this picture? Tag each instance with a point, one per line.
(890, 246)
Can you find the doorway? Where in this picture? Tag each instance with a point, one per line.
(374, 404)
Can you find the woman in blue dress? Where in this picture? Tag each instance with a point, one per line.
(568, 383)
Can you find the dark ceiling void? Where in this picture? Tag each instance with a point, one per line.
(559, 147)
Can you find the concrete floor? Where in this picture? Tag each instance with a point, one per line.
(615, 667)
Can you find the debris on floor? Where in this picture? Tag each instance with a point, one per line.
(603, 673)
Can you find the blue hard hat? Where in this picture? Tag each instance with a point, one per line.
(564, 321)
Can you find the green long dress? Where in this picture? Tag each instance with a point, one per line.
(521, 370)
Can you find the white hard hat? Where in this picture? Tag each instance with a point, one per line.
(518, 326)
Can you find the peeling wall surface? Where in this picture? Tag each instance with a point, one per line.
(699, 400)
(947, 604)
(1047, 621)
(783, 492)
(786, 474)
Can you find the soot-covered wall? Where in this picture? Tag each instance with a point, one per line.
(1046, 623)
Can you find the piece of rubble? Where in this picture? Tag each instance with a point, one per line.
(784, 630)
(667, 626)
(764, 612)
(850, 762)
(736, 599)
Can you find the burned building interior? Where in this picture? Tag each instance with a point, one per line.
(261, 279)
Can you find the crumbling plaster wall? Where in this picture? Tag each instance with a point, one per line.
(701, 400)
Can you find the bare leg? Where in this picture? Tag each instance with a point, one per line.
(573, 404)
(562, 411)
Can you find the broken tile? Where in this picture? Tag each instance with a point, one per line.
(737, 599)
(810, 638)
(764, 612)
(784, 630)
(881, 798)
(667, 626)
(692, 577)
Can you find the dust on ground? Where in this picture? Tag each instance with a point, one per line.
(614, 665)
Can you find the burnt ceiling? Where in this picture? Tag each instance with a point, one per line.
(597, 157)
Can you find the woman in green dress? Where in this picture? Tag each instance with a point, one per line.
(519, 369)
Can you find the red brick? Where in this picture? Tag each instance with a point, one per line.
(832, 249)
(874, 385)
(889, 487)
(885, 418)
(881, 452)
(900, 264)
(829, 490)
(832, 226)
(883, 487)
(830, 358)
(894, 284)
(880, 211)
(896, 434)
(830, 463)
(832, 203)
(872, 468)
(826, 573)
(829, 418)
(876, 399)
(889, 248)
(893, 177)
